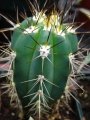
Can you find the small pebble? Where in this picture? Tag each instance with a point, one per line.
(85, 95)
(80, 94)
(13, 114)
(59, 117)
(53, 118)
(67, 112)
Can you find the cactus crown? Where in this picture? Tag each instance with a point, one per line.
(42, 57)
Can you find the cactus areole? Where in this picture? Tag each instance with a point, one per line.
(41, 68)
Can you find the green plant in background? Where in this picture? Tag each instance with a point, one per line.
(42, 61)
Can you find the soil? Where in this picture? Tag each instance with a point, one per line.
(64, 112)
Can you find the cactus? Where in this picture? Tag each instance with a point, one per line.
(41, 61)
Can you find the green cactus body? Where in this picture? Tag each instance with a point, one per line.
(42, 64)
(40, 60)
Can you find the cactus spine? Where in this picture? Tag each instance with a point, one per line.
(42, 59)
